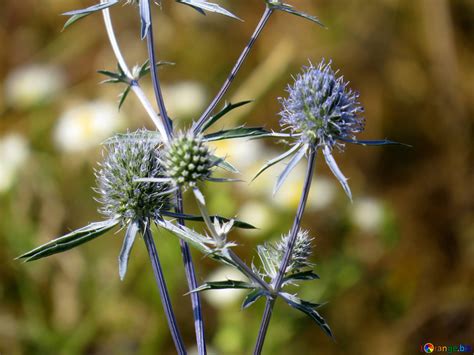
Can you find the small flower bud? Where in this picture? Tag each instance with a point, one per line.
(187, 160)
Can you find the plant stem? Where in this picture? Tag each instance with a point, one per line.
(134, 84)
(165, 299)
(166, 135)
(185, 251)
(277, 282)
(192, 283)
(263, 21)
(154, 76)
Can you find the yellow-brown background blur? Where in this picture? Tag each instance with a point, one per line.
(396, 266)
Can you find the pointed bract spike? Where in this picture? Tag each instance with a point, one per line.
(336, 171)
(276, 160)
(127, 245)
(289, 168)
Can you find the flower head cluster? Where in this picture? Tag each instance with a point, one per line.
(271, 254)
(320, 108)
(187, 160)
(129, 158)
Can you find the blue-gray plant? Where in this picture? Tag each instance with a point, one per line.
(145, 173)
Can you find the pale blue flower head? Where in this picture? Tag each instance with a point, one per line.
(320, 108)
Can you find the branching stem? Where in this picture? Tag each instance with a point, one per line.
(263, 21)
(286, 258)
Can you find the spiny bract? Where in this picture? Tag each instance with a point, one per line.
(187, 160)
(130, 157)
(320, 108)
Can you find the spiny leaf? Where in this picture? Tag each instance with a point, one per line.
(288, 8)
(237, 223)
(308, 309)
(220, 285)
(227, 108)
(222, 163)
(78, 14)
(70, 240)
(302, 276)
(239, 132)
(372, 142)
(201, 6)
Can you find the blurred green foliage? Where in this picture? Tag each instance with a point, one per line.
(396, 267)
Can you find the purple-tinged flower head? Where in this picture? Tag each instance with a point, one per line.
(320, 108)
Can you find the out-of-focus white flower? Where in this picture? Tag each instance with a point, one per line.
(243, 153)
(367, 214)
(86, 125)
(224, 298)
(184, 99)
(30, 85)
(14, 152)
(257, 214)
(322, 194)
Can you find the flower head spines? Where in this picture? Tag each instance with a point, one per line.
(187, 160)
(271, 254)
(320, 108)
(128, 158)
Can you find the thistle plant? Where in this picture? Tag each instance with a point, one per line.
(144, 174)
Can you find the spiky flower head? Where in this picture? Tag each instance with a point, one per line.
(271, 254)
(128, 158)
(320, 107)
(187, 160)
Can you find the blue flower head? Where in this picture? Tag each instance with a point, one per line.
(320, 109)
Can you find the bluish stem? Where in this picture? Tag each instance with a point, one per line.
(263, 21)
(165, 299)
(192, 283)
(155, 79)
(186, 253)
(286, 258)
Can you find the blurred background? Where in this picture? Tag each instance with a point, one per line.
(396, 265)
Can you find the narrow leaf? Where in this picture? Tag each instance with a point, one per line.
(304, 307)
(188, 217)
(251, 298)
(201, 6)
(276, 160)
(239, 132)
(372, 142)
(79, 14)
(302, 276)
(336, 171)
(288, 169)
(291, 10)
(223, 164)
(127, 245)
(123, 96)
(70, 240)
(221, 285)
(227, 108)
